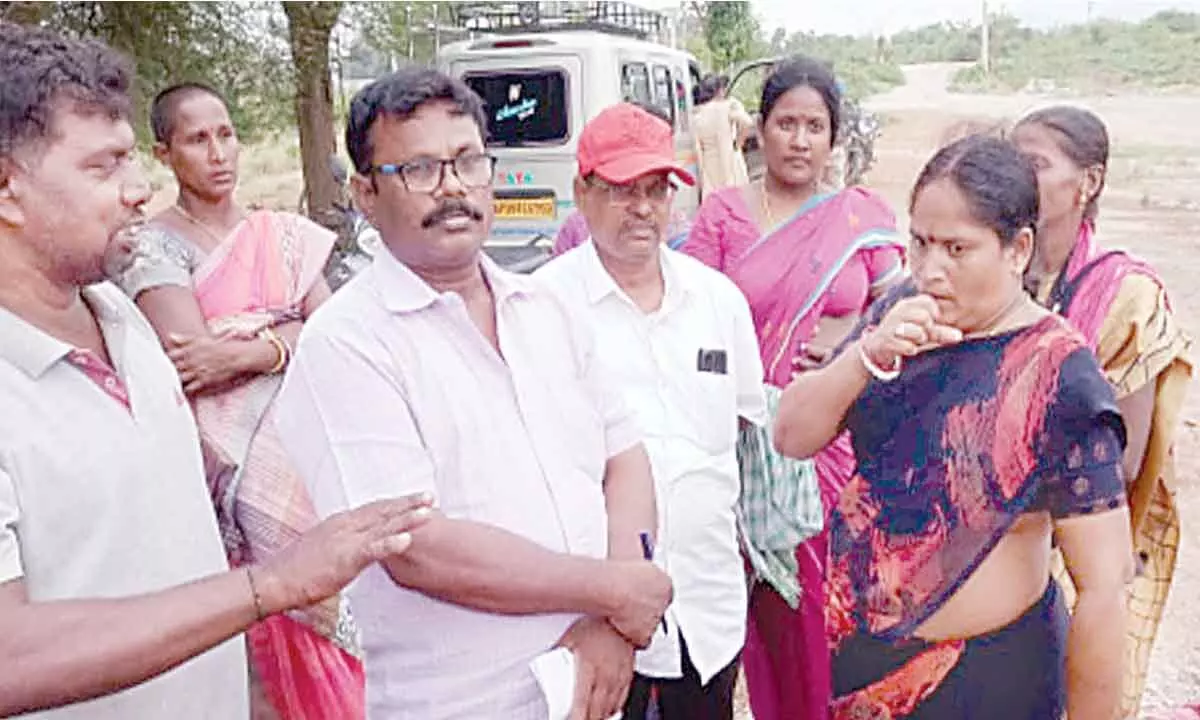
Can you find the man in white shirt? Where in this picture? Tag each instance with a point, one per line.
(116, 602)
(678, 337)
(434, 370)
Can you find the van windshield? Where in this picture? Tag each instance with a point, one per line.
(524, 107)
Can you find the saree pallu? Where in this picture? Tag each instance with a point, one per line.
(306, 662)
(950, 454)
(1120, 305)
(786, 275)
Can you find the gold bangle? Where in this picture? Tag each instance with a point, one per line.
(280, 347)
(258, 608)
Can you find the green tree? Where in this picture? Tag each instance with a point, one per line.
(731, 33)
(232, 46)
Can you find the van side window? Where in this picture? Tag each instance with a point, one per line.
(682, 117)
(664, 93)
(635, 83)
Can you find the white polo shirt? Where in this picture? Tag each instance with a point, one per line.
(690, 418)
(103, 500)
(393, 390)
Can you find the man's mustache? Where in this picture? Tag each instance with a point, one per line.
(449, 209)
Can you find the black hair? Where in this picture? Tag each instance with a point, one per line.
(1082, 137)
(803, 71)
(999, 183)
(710, 86)
(162, 109)
(399, 95)
(44, 71)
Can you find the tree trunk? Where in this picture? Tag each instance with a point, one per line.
(309, 28)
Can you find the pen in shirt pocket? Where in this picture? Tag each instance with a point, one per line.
(648, 553)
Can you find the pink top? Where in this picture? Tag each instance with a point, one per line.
(725, 228)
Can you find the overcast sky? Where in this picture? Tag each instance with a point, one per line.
(858, 17)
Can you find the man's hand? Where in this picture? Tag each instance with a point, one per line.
(603, 669)
(327, 558)
(644, 593)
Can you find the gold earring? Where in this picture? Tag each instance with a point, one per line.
(1083, 197)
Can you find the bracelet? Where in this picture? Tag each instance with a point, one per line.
(258, 608)
(877, 372)
(280, 346)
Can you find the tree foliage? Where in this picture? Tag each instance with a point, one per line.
(731, 33)
(235, 47)
(1162, 51)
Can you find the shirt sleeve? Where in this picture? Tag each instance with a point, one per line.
(704, 238)
(346, 424)
(747, 362)
(1088, 479)
(621, 430)
(162, 260)
(884, 265)
(10, 547)
(1085, 443)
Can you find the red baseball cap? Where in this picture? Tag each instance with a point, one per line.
(624, 143)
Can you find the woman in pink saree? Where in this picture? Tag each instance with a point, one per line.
(227, 291)
(809, 264)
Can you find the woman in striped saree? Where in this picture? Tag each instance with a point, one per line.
(1120, 305)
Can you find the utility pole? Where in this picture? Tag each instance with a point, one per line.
(985, 41)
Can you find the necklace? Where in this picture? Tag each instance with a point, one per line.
(200, 224)
(766, 207)
(989, 328)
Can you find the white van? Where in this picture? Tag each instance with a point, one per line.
(540, 88)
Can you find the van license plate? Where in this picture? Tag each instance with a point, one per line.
(525, 208)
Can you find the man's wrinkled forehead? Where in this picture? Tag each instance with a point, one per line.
(431, 130)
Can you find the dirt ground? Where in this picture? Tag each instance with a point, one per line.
(1151, 206)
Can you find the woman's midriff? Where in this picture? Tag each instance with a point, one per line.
(1009, 581)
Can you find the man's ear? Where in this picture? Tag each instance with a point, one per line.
(11, 212)
(162, 153)
(365, 195)
(580, 187)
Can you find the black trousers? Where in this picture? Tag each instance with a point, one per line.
(683, 698)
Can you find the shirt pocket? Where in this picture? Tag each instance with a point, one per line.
(713, 403)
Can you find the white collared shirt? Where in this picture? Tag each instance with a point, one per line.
(393, 390)
(690, 419)
(101, 500)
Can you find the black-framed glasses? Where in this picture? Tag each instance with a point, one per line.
(424, 175)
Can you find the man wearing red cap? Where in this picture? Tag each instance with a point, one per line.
(680, 337)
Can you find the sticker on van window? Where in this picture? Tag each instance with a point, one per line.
(520, 111)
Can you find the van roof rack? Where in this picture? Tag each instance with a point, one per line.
(621, 18)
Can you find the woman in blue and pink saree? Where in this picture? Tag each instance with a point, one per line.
(809, 263)
(982, 428)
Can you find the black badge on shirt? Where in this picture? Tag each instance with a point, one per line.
(712, 361)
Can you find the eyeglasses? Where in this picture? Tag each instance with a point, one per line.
(656, 193)
(424, 175)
